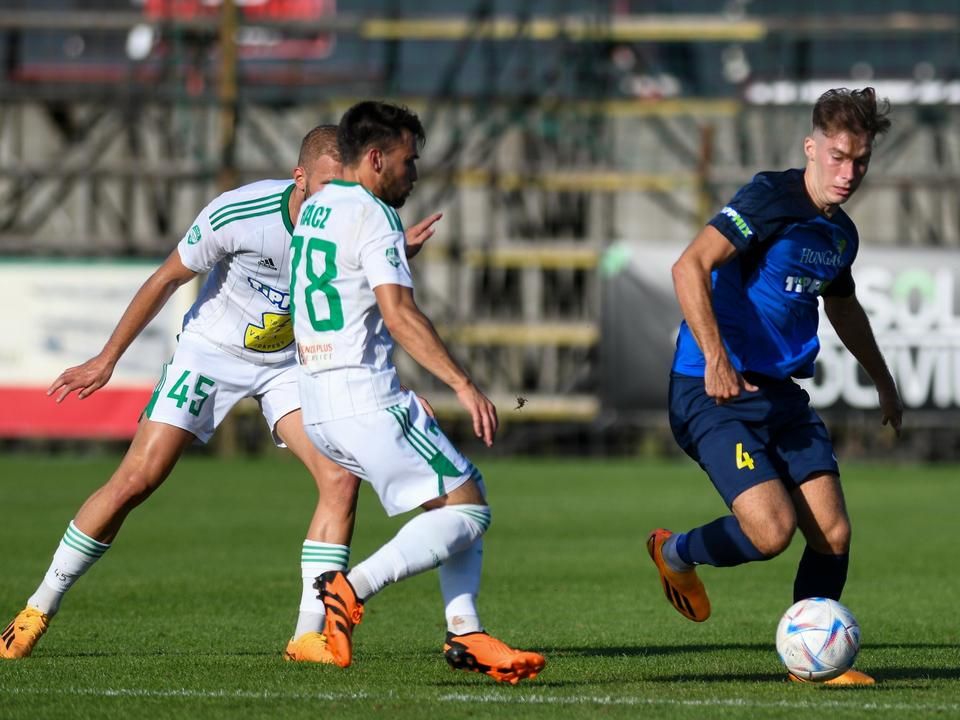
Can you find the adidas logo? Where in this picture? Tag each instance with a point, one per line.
(267, 263)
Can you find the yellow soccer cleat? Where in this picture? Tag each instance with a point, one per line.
(21, 635)
(479, 652)
(309, 647)
(683, 589)
(344, 612)
(851, 678)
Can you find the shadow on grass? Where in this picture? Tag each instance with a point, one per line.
(157, 653)
(652, 650)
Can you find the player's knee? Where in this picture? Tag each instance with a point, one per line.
(340, 483)
(836, 537)
(475, 519)
(773, 537)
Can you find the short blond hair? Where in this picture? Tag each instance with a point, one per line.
(320, 141)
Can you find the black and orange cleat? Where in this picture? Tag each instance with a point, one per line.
(19, 637)
(480, 652)
(344, 610)
(851, 678)
(682, 588)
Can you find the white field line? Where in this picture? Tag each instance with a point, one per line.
(490, 698)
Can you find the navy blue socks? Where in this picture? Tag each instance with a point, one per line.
(720, 543)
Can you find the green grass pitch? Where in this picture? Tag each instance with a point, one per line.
(187, 614)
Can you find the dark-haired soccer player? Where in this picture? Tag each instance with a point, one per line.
(749, 286)
(351, 299)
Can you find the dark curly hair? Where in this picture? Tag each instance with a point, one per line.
(853, 111)
(374, 124)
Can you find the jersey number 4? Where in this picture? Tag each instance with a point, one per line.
(743, 458)
(317, 254)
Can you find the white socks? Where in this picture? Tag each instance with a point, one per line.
(459, 584)
(316, 558)
(74, 556)
(426, 541)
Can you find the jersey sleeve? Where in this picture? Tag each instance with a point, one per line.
(841, 286)
(202, 247)
(381, 249)
(752, 216)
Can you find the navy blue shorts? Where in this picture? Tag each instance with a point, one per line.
(762, 435)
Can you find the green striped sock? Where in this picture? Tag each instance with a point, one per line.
(77, 541)
(316, 558)
(75, 555)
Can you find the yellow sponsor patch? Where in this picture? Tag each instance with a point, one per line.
(276, 334)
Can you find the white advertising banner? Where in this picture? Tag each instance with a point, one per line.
(63, 312)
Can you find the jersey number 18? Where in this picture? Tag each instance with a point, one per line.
(317, 253)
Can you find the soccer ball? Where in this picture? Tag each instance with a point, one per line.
(818, 639)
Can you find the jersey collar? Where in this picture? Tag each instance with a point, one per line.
(285, 208)
(344, 183)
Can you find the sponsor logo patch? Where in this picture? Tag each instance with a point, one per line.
(393, 257)
(193, 237)
(276, 297)
(738, 221)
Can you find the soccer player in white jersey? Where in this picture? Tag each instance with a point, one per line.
(351, 297)
(237, 342)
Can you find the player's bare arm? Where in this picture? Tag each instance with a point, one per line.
(418, 234)
(92, 375)
(692, 284)
(415, 333)
(853, 328)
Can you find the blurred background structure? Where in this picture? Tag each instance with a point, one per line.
(574, 148)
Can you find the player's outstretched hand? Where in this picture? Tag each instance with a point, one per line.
(483, 412)
(891, 406)
(417, 235)
(86, 378)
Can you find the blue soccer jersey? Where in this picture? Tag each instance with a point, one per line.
(766, 297)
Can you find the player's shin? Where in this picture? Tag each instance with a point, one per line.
(721, 543)
(460, 584)
(820, 575)
(424, 543)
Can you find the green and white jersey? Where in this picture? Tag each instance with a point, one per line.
(242, 239)
(346, 243)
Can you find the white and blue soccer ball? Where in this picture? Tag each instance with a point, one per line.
(818, 639)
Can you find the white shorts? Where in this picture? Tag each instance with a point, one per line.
(201, 384)
(400, 451)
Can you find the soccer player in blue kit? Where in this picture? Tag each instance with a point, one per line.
(748, 286)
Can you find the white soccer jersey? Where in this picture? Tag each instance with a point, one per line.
(346, 243)
(242, 238)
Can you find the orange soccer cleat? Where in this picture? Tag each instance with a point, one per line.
(479, 652)
(344, 612)
(19, 637)
(682, 588)
(309, 647)
(850, 678)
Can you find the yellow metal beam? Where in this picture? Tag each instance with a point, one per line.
(568, 334)
(645, 28)
(528, 255)
(536, 407)
(576, 181)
